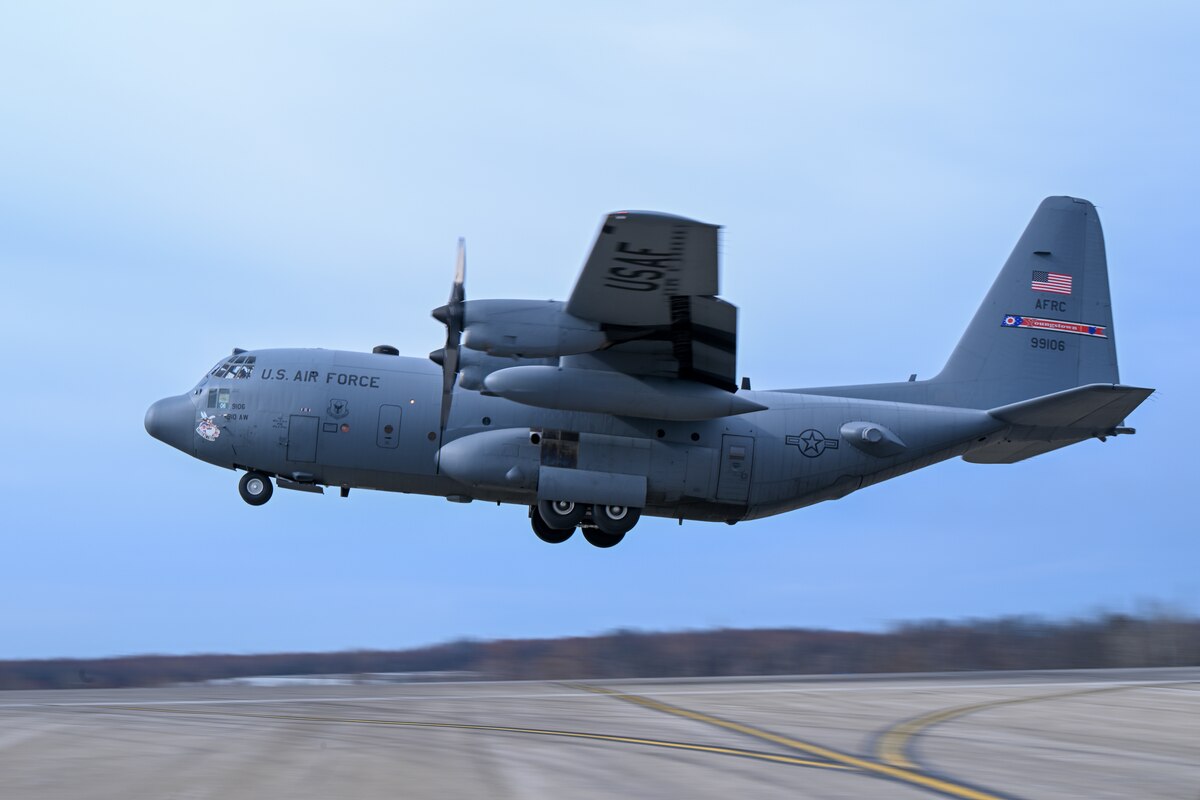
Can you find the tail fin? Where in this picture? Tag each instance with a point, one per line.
(1046, 323)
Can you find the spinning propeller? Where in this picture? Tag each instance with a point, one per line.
(451, 315)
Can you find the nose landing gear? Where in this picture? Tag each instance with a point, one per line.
(255, 488)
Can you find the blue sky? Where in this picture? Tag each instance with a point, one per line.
(176, 181)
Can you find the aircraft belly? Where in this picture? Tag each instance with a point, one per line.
(825, 448)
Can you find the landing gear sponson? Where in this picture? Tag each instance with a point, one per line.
(602, 525)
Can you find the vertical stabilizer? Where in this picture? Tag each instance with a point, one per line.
(1046, 324)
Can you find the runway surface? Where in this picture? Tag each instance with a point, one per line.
(1094, 734)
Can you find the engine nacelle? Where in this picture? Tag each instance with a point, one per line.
(474, 367)
(604, 392)
(528, 329)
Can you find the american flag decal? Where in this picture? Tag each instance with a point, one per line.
(1054, 282)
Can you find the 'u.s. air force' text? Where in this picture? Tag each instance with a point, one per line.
(314, 376)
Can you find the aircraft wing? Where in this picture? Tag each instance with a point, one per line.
(651, 282)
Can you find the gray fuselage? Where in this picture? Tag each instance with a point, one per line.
(348, 419)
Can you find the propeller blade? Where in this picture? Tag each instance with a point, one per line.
(451, 313)
(457, 293)
(452, 316)
(449, 377)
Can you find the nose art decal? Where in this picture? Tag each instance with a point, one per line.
(207, 428)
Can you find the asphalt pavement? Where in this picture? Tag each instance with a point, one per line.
(1080, 734)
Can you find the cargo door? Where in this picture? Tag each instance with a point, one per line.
(388, 432)
(737, 457)
(302, 438)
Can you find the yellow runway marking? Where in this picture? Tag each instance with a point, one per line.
(602, 737)
(904, 775)
(894, 741)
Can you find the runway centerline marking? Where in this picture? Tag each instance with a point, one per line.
(896, 741)
(901, 774)
(602, 737)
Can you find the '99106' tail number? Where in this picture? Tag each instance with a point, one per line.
(1042, 343)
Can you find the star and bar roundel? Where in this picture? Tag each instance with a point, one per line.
(812, 442)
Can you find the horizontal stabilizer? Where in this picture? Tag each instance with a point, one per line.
(1055, 420)
(1096, 407)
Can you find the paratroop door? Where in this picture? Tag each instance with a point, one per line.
(302, 438)
(737, 456)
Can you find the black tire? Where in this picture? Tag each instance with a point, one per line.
(561, 514)
(598, 538)
(545, 532)
(615, 520)
(255, 488)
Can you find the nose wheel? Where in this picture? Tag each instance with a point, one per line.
(255, 488)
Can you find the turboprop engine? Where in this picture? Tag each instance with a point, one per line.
(528, 329)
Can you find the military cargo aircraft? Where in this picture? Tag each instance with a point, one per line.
(623, 401)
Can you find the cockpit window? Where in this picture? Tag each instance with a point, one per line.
(234, 367)
(218, 398)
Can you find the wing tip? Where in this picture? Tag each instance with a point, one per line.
(653, 216)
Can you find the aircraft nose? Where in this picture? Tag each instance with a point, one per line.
(171, 420)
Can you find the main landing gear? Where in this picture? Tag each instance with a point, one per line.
(255, 488)
(546, 533)
(554, 521)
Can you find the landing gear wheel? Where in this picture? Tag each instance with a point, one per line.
(545, 532)
(255, 488)
(561, 514)
(615, 520)
(598, 538)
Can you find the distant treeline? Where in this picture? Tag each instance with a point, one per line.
(1113, 640)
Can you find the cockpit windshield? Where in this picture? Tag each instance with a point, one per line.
(239, 366)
